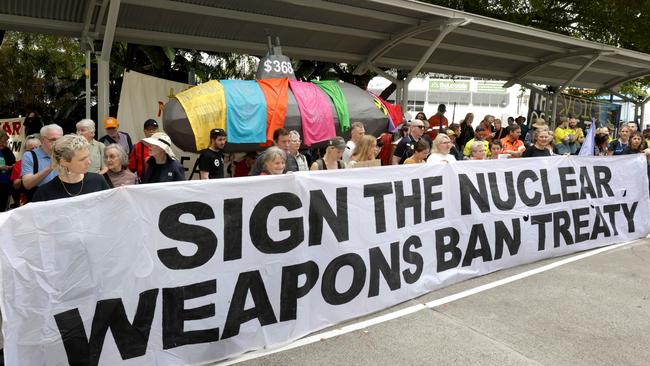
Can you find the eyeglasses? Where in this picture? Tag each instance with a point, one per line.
(52, 139)
(419, 126)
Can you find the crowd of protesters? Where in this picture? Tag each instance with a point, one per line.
(56, 166)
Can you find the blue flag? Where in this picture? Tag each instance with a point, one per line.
(587, 148)
(245, 111)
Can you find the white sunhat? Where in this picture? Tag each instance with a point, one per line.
(163, 141)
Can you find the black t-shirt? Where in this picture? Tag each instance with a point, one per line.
(404, 148)
(532, 151)
(212, 162)
(617, 147)
(55, 189)
(628, 151)
(170, 171)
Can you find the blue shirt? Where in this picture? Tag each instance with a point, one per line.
(44, 161)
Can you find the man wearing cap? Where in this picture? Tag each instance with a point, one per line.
(140, 152)
(113, 136)
(333, 154)
(210, 160)
(281, 139)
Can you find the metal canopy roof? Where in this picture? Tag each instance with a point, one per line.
(404, 34)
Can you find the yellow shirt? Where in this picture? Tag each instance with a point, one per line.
(576, 132)
(468, 147)
(560, 133)
(411, 161)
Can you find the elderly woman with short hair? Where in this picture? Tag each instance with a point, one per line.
(477, 151)
(116, 161)
(273, 161)
(86, 128)
(70, 158)
(162, 165)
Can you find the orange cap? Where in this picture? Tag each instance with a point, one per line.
(111, 122)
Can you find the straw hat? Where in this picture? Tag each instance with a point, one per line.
(163, 141)
(539, 122)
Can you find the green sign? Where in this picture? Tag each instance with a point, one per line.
(448, 85)
(490, 86)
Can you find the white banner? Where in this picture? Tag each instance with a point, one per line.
(143, 97)
(16, 131)
(193, 272)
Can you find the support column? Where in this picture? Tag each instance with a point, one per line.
(640, 120)
(104, 61)
(555, 95)
(103, 79)
(88, 84)
(405, 94)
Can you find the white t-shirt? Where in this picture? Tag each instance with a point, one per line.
(437, 158)
(347, 153)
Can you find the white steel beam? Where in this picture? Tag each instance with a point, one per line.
(444, 31)
(40, 25)
(384, 74)
(408, 33)
(612, 84)
(527, 70)
(104, 59)
(109, 30)
(580, 72)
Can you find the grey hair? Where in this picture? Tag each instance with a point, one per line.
(273, 152)
(65, 148)
(294, 133)
(477, 145)
(47, 128)
(88, 123)
(121, 154)
(31, 141)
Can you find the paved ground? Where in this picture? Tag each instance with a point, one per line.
(595, 311)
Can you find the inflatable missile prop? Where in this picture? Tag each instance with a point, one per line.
(250, 110)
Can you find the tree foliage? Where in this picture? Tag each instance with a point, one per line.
(39, 72)
(620, 23)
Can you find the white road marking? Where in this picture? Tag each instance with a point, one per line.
(415, 308)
